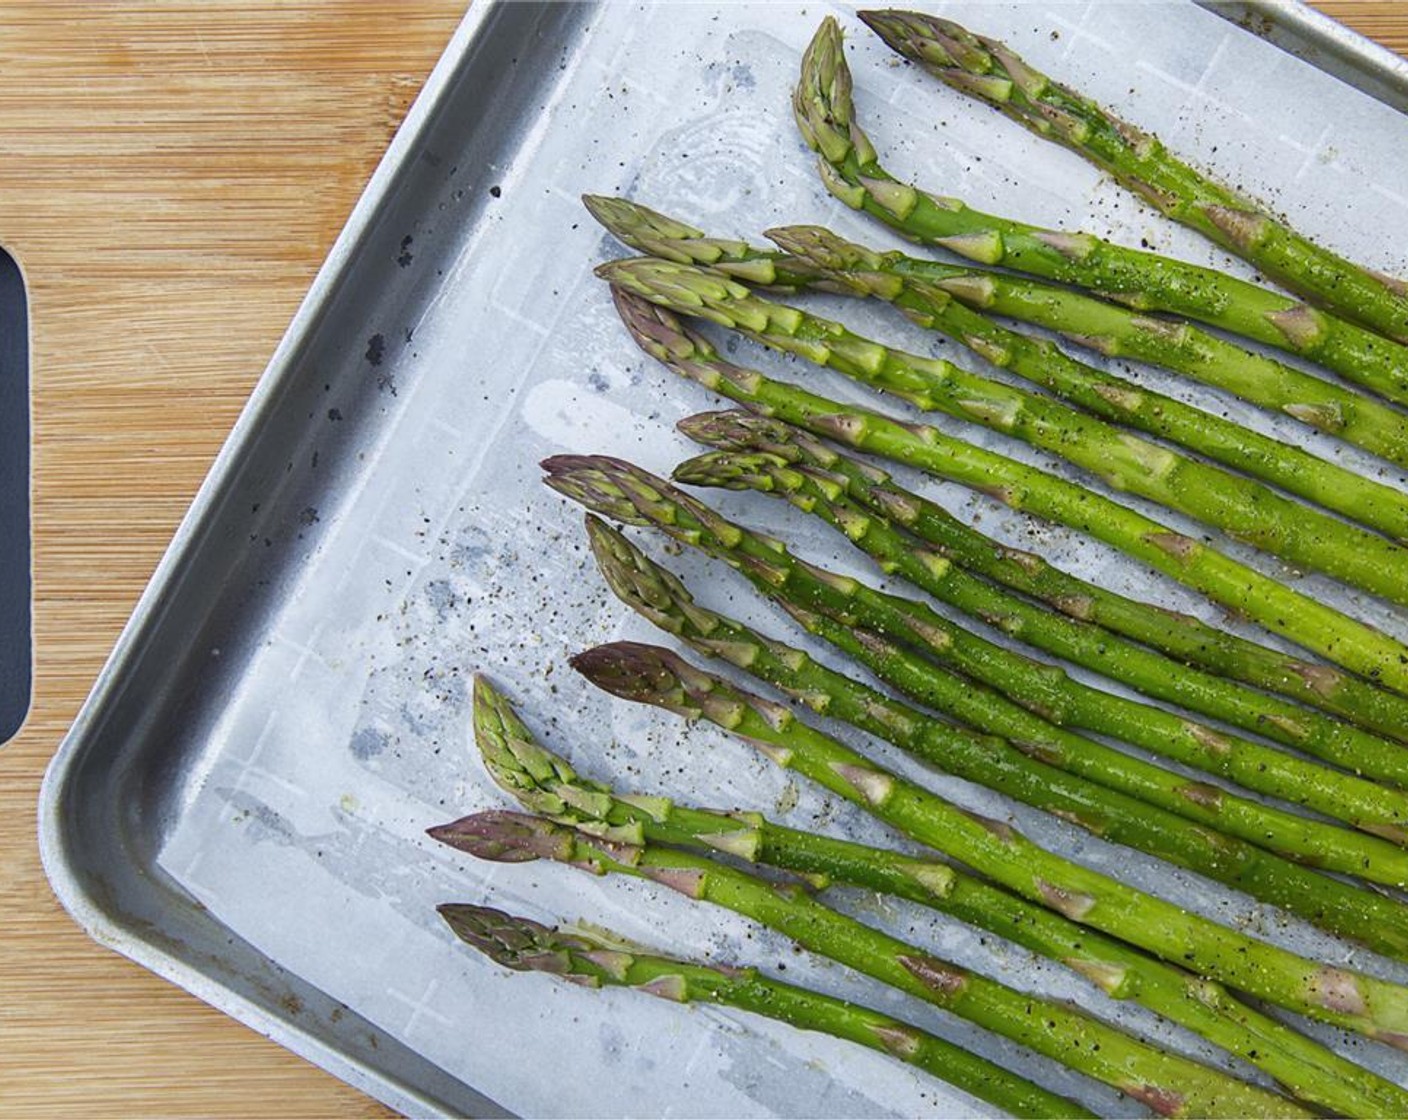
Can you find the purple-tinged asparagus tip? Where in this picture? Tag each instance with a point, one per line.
(627, 493)
(504, 836)
(519, 943)
(591, 481)
(501, 936)
(682, 350)
(642, 673)
(930, 40)
(654, 329)
(651, 675)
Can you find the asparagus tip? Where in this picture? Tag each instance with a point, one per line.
(595, 481)
(658, 331)
(821, 247)
(637, 671)
(520, 943)
(731, 470)
(732, 429)
(498, 935)
(636, 225)
(503, 836)
(934, 42)
(488, 705)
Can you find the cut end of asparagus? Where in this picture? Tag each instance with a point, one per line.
(502, 836)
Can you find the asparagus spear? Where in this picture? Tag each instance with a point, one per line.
(1146, 281)
(1240, 507)
(1169, 1084)
(992, 72)
(1354, 1000)
(1119, 401)
(594, 961)
(1022, 760)
(546, 784)
(1110, 329)
(1345, 641)
(1180, 636)
(824, 494)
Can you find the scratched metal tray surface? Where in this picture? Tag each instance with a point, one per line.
(241, 804)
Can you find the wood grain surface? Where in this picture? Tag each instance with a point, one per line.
(171, 176)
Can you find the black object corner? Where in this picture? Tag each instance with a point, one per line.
(16, 644)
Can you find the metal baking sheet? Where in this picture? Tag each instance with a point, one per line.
(240, 806)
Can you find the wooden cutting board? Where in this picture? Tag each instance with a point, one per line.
(171, 176)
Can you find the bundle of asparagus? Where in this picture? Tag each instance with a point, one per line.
(1107, 328)
(547, 785)
(1241, 589)
(851, 171)
(1239, 507)
(992, 71)
(1325, 736)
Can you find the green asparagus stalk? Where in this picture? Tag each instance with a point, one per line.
(1114, 399)
(1112, 330)
(1146, 281)
(1346, 641)
(1021, 760)
(1169, 1084)
(596, 961)
(1181, 636)
(992, 72)
(1354, 1000)
(1240, 507)
(825, 495)
(546, 784)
